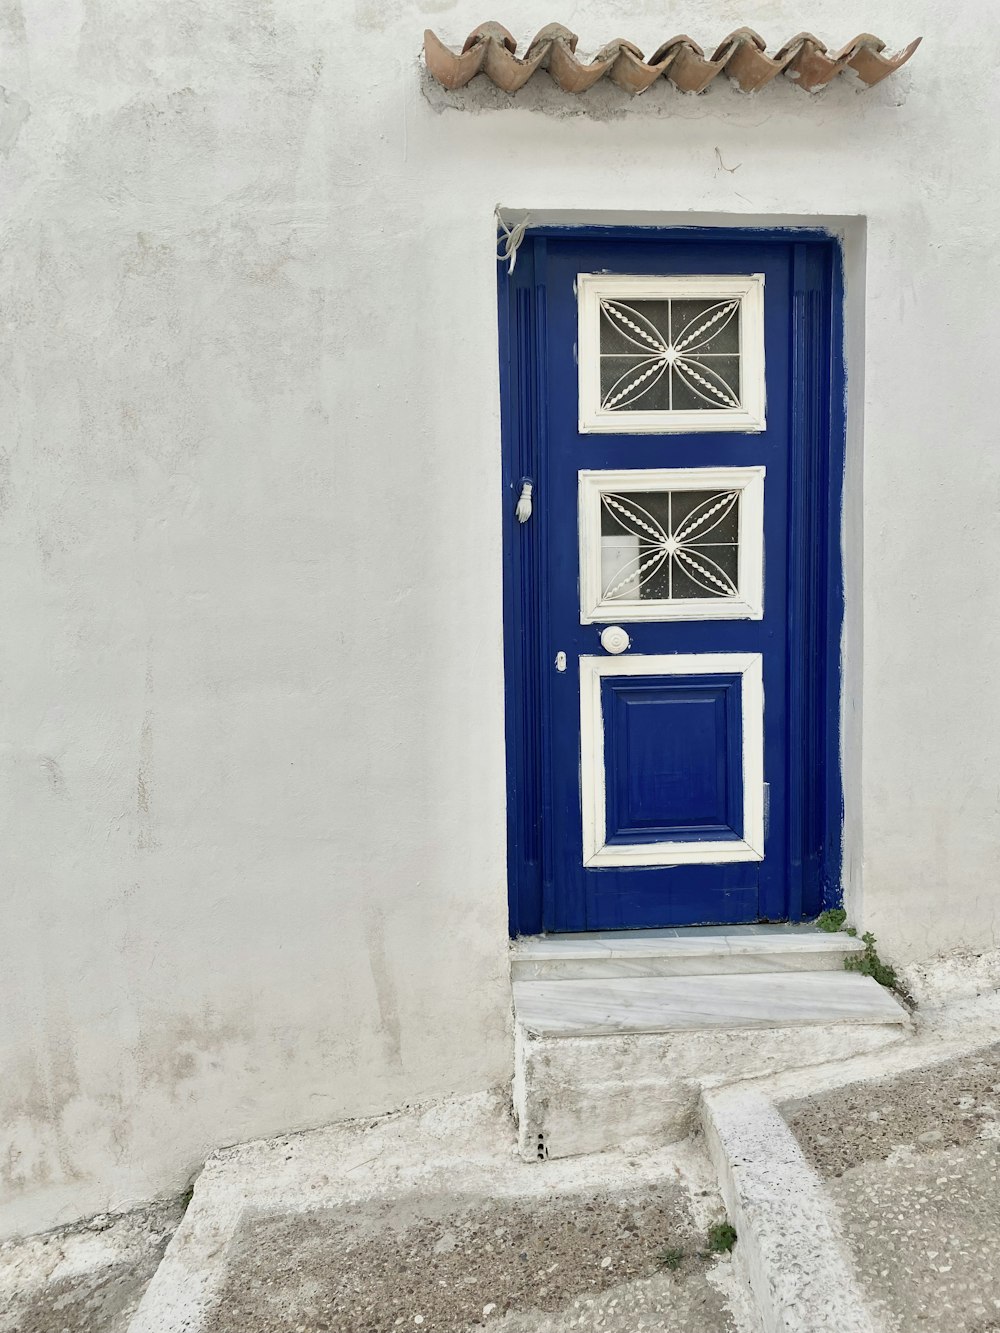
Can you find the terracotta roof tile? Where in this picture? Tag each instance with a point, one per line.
(490, 49)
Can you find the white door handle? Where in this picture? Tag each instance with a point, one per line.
(614, 639)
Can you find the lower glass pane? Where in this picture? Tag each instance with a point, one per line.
(669, 545)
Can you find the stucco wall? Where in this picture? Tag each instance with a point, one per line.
(251, 676)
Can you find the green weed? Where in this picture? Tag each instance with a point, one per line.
(832, 919)
(721, 1238)
(870, 965)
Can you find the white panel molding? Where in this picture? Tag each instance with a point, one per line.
(597, 852)
(749, 416)
(749, 605)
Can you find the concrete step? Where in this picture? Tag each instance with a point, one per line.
(626, 1005)
(604, 1063)
(702, 950)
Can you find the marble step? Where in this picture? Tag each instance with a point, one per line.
(622, 1062)
(703, 950)
(589, 1008)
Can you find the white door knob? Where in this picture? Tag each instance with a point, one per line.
(614, 639)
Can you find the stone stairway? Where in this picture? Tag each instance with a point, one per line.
(616, 1034)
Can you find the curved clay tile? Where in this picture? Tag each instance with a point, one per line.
(505, 69)
(572, 75)
(742, 56)
(868, 62)
(689, 70)
(631, 72)
(808, 62)
(748, 64)
(453, 68)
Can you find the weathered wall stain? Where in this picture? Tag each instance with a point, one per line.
(26, 1114)
(38, 1093)
(54, 774)
(5, 481)
(146, 826)
(181, 1051)
(381, 967)
(12, 25)
(14, 111)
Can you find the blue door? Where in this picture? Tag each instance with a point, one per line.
(673, 597)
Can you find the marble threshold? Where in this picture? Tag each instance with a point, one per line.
(710, 949)
(691, 941)
(623, 1005)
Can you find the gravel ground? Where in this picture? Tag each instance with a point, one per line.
(925, 1231)
(446, 1264)
(943, 1106)
(87, 1278)
(913, 1165)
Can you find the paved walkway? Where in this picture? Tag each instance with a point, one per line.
(85, 1279)
(430, 1222)
(447, 1263)
(912, 1163)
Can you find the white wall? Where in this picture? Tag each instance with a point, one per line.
(251, 674)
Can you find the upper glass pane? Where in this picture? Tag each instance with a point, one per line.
(670, 355)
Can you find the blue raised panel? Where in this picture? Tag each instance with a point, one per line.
(673, 754)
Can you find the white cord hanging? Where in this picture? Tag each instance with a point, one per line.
(512, 238)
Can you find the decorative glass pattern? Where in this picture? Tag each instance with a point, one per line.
(669, 545)
(670, 355)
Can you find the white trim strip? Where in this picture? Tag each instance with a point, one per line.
(597, 851)
(750, 415)
(749, 605)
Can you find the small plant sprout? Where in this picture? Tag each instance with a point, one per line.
(832, 919)
(870, 965)
(670, 1259)
(721, 1238)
